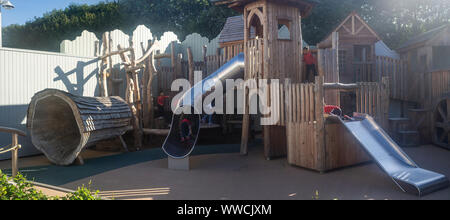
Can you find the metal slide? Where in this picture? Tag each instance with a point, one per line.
(233, 69)
(392, 159)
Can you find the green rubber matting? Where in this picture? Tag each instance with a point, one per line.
(60, 175)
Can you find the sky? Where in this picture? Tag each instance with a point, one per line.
(26, 10)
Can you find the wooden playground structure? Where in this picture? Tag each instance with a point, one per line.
(322, 146)
(303, 133)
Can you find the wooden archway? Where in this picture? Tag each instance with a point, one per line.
(259, 27)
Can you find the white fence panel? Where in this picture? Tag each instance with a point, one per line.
(25, 72)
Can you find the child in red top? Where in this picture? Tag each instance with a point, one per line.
(310, 62)
(160, 104)
(333, 110)
(337, 111)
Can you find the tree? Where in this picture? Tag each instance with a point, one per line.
(326, 15)
(395, 21)
(180, 16)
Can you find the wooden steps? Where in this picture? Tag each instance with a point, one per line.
(405, 130)
(409, 138)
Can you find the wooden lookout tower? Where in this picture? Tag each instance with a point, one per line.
(269, 55)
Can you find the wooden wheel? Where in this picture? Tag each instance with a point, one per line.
(441, 123)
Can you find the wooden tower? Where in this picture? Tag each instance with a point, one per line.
(269, 55)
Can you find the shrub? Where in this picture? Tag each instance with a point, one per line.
(83, 193)
(18, 188)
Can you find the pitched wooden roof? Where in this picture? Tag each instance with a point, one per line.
(424, 37)
(352, 17)
(233, 30)
(305, 6)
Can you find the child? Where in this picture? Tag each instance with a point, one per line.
(310, 63)
(333, 110)
(208, 116)
(337, 111)
(160, 104)
(185, 129)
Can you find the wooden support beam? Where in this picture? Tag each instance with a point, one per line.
(103, 83)
(158, 132)
(320, 128)
(113, 53)
(162, 56)
(341, 86)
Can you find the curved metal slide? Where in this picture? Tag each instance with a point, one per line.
(173, 146)
(392, 159)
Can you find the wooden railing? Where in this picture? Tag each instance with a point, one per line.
(300, 108)
(413, 86)
(436, 84)
(400, 84)
(372, 98)
(13, 147)
(364, 72)
(233, 50)
(255, 59)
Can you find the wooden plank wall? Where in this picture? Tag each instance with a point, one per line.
(165, 78)
(422, 88)
(315, 143)
(341, 148)
(437, 84)
(211, 63)
(372, 98)
(304, 124)
(395, 69)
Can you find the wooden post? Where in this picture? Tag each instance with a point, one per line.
(176, 63)
(385, 100)
(103, 84)
(14, 155)
(147, 81)
(152, 74)
(110, 67)
(191, 66)
(132, 93)
(335, 68)
(105, 66)
(218, 58)
(246, 116)
(245, 123)
(205, 61)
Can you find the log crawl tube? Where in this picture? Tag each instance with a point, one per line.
(61, 124)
